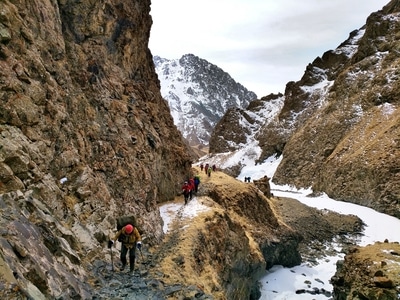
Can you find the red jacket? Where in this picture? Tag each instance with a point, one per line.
(191, 183)
(186, 188)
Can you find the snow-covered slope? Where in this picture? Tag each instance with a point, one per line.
(199, 94)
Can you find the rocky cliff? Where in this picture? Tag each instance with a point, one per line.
(84, 137)
(338, 127)
(349, 146)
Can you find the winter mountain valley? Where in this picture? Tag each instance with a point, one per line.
(89, 131)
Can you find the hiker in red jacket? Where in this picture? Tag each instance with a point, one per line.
(186, 189)
(206, 168)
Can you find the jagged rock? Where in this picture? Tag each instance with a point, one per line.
(361, 276)
(338, 124)
(263, 185)
(383, 282)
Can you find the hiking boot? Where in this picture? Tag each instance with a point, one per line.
(122, 267)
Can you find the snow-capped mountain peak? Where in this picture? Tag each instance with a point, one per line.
(199, 94)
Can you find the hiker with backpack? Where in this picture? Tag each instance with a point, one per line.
(196, 183)
(209, 171)
(186, 190)
(130, 238)
(206, 167)
(192, 187)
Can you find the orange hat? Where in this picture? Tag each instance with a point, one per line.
(128, 228)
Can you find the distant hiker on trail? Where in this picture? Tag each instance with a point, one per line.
(130, 238)
(214, 168)
(192, 187)
(196, 183)
(209, 172)
(247, 179)
(186, 191)
(201, 167)
(206, 168)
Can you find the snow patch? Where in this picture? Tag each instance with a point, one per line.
(171, 211)
(387, 109)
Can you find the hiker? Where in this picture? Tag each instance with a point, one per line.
(196, 183)
(201, 167)
(209, 172)
(214, 168)
(130, 238)
(186, 191)
(192, 186)
(206, 168)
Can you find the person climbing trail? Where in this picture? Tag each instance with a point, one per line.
(130, 239)
(186, 190)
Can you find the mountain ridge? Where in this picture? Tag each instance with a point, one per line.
(198, 94)
(346, 96)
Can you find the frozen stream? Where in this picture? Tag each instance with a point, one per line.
(281, 283)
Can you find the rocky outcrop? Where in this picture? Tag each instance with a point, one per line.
(84, 136)
(369, 272)
(348, 147)
(338, 126)
(238, 126)
(263, 185)
(237, 234)
(227, 247)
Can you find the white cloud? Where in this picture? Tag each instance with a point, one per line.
(262, 44)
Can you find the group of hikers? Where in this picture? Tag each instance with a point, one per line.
(208, 169)
(130, 237)
(189, 187)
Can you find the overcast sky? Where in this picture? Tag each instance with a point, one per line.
(262, 44)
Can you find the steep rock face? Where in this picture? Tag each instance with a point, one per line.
(84, 136)
(240, 126)
(338, 126)
(199, 94)
(349, 147)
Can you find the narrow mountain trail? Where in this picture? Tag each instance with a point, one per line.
(146, 282)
